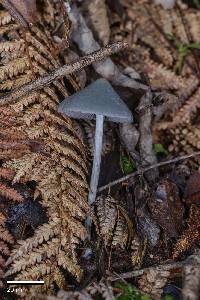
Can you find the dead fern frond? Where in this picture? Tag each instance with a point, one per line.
(7, 173)
(138, 248)
(153, 282)
(114, 226)
(165, 42)
(6, 29)
(9, 193)
(48, 242)
(166, 79)
(107, 216)
(120, 236)
(187, 111)
(6, 240)
(41, 146)
(9, 46)
(162, 30)
(13, 68)
(191, 234)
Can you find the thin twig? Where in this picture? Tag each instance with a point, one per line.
(141, 171)
(162, 267)
(61, 72)
(147, 154)
(137, 273)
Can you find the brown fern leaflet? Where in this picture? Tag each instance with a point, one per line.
(114, 226)
(7, 193)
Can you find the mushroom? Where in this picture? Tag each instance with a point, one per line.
(101, 101)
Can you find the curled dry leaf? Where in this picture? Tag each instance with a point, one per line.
(166, 207)
(147, 226)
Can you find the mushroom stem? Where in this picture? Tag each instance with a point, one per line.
(97, 159)
(95, 169)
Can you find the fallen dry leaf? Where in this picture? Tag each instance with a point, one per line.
(166, 207)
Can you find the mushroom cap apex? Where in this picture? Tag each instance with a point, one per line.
(99, 98)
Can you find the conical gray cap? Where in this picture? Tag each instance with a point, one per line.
(99, 98)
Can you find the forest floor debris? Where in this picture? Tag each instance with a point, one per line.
(145, 236)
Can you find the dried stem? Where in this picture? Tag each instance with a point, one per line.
(142, 171)
(84, 38)
(163, 267)
(147, 154)
(61, 72)
(137, 273)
